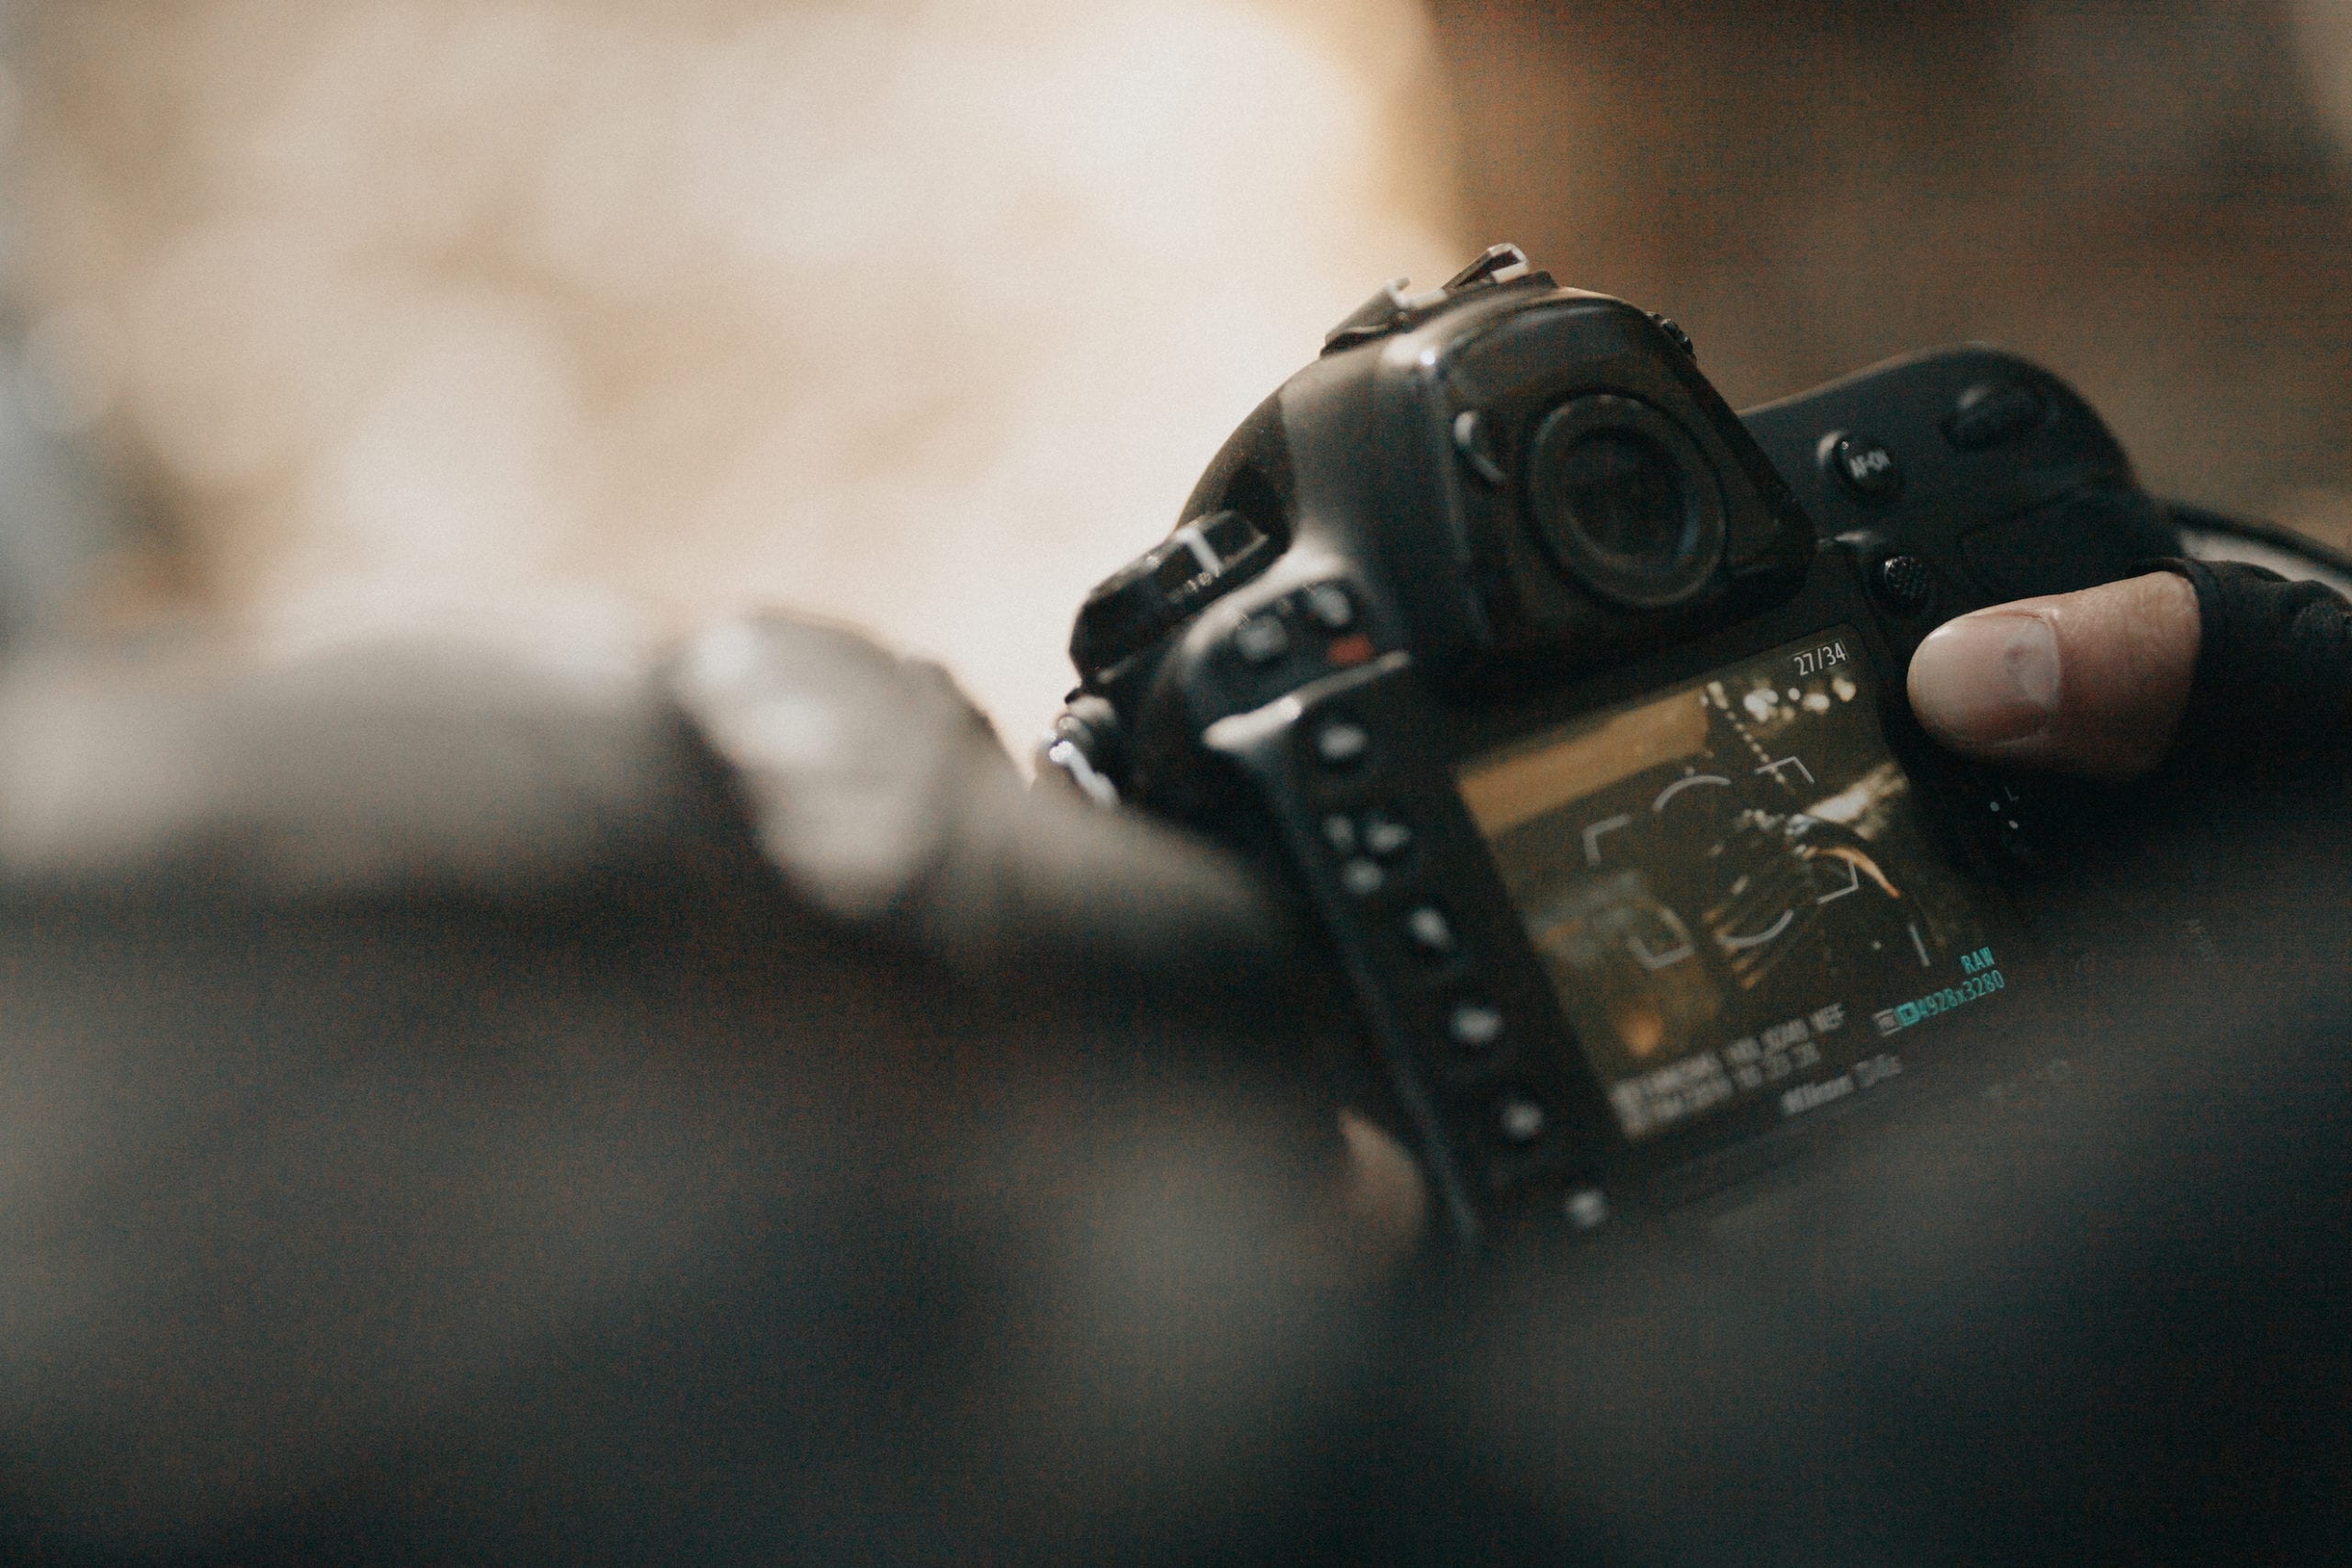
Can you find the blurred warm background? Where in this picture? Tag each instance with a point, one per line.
(2152, 196)
(588, 319)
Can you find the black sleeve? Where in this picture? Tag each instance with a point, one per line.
(467, 1108)
(2274, 669)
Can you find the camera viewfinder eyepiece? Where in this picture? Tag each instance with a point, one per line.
(1624, 501)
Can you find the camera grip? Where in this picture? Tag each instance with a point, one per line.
(1986, 478)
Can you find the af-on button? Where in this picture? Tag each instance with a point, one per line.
(1862, 465)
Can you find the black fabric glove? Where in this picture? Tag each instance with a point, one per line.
(2274, 669)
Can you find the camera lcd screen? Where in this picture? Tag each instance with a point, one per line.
(1729, 887)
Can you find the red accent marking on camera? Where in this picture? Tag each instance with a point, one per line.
(1349, 650)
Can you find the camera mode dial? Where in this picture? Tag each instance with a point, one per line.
(1141, 602)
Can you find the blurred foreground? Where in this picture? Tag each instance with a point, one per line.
(457, 1110)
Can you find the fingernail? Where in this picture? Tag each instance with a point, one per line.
(1987, 680)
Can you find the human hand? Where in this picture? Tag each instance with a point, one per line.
(2229, 663)
(2093, 683)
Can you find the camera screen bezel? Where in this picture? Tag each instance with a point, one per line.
(1960, 1048)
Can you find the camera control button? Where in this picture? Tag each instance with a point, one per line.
(1475, 444)
(1341, 743)
(1363, 877)
(1432, 934)
(1261, 639)
(1386, 838)
(1340, 833)
(1991, 414)
(1587, 1208)
(1475, 1026)
(1330, 606)
(2013, 821)
(1903, 583)
(1865, 466)
(1519, 1119)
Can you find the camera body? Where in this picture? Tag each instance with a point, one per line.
(1570, 704)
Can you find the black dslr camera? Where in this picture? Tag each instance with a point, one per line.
(1572, 705)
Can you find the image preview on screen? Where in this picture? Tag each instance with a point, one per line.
(1728, 887)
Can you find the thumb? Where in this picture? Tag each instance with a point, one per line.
(2092, 682)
